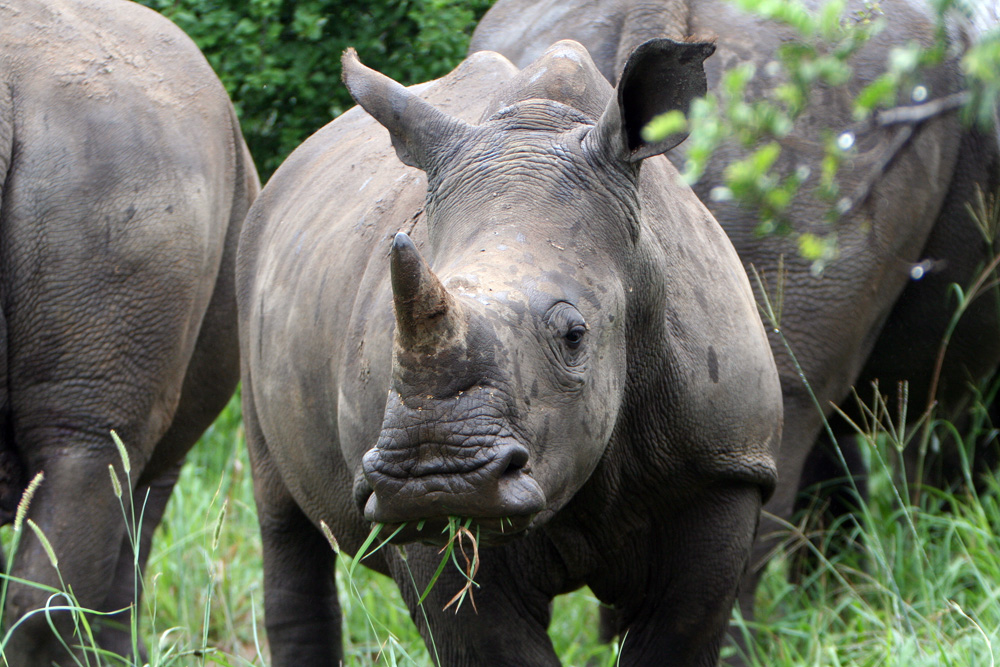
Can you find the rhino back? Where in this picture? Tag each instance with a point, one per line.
(117, 196)
(523, 29)
(882, 233)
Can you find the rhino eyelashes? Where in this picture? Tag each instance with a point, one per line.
(570, 335)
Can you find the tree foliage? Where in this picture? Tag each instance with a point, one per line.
(280, 59)
(827, 39)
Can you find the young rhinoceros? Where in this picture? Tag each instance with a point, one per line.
(562, 353)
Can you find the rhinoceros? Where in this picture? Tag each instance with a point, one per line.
(907, 188)
(124, 180)
(523, 321)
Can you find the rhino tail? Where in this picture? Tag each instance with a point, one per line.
(246, 187)
(12, 473)
(247, 181)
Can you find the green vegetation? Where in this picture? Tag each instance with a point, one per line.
(280, 59)
(921, 588)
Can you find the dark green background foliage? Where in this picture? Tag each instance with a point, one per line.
(280, 59)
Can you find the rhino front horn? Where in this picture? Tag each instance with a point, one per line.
(425, 312)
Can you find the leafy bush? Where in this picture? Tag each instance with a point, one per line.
(828, 36)
(280, 59)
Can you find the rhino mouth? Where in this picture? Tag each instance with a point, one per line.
(495, 495)
(438, 531)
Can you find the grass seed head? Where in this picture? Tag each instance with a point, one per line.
(122, 452)
(328, 534)
(115, 484)
(22, 506)
(49, 551)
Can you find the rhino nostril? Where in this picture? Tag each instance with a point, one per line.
(517, 460)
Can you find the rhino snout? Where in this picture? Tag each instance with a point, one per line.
(492, 485)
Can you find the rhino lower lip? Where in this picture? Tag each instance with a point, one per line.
(516, 498)
(438, 531)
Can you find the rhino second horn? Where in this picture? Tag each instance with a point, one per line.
(425, 312)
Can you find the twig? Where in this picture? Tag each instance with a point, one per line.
(918, 113)
(910, 117)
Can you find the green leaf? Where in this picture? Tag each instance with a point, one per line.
(811, 246)
(664, 125)
(880, 92)
(829, 20)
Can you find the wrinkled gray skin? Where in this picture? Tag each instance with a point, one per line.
(525, 332)
(123, 184)
(863, 318)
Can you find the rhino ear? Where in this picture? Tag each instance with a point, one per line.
(660, 75)
(421, 134)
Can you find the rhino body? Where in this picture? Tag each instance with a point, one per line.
(906, 189)
(526, 333)
(124, 180)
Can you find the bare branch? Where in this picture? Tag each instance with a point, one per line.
(919, 113)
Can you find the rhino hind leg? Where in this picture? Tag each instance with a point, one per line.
(301, 610)
(114, 632)
(209, 382)
(80, 532)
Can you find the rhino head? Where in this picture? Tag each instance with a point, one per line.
(512, 337)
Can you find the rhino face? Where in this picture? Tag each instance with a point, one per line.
(509, 356)
(502, 399)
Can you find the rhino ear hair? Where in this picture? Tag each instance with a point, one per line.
(660, 75)
(420, 133)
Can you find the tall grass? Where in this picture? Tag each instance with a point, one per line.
(923, 588)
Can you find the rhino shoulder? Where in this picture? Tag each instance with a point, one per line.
(719, 371)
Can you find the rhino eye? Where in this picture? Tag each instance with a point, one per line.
(574, 337)
(569, 331)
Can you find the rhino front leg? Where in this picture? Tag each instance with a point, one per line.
(801, 428)
(507, 627)
(301, 609)
(681, 615)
